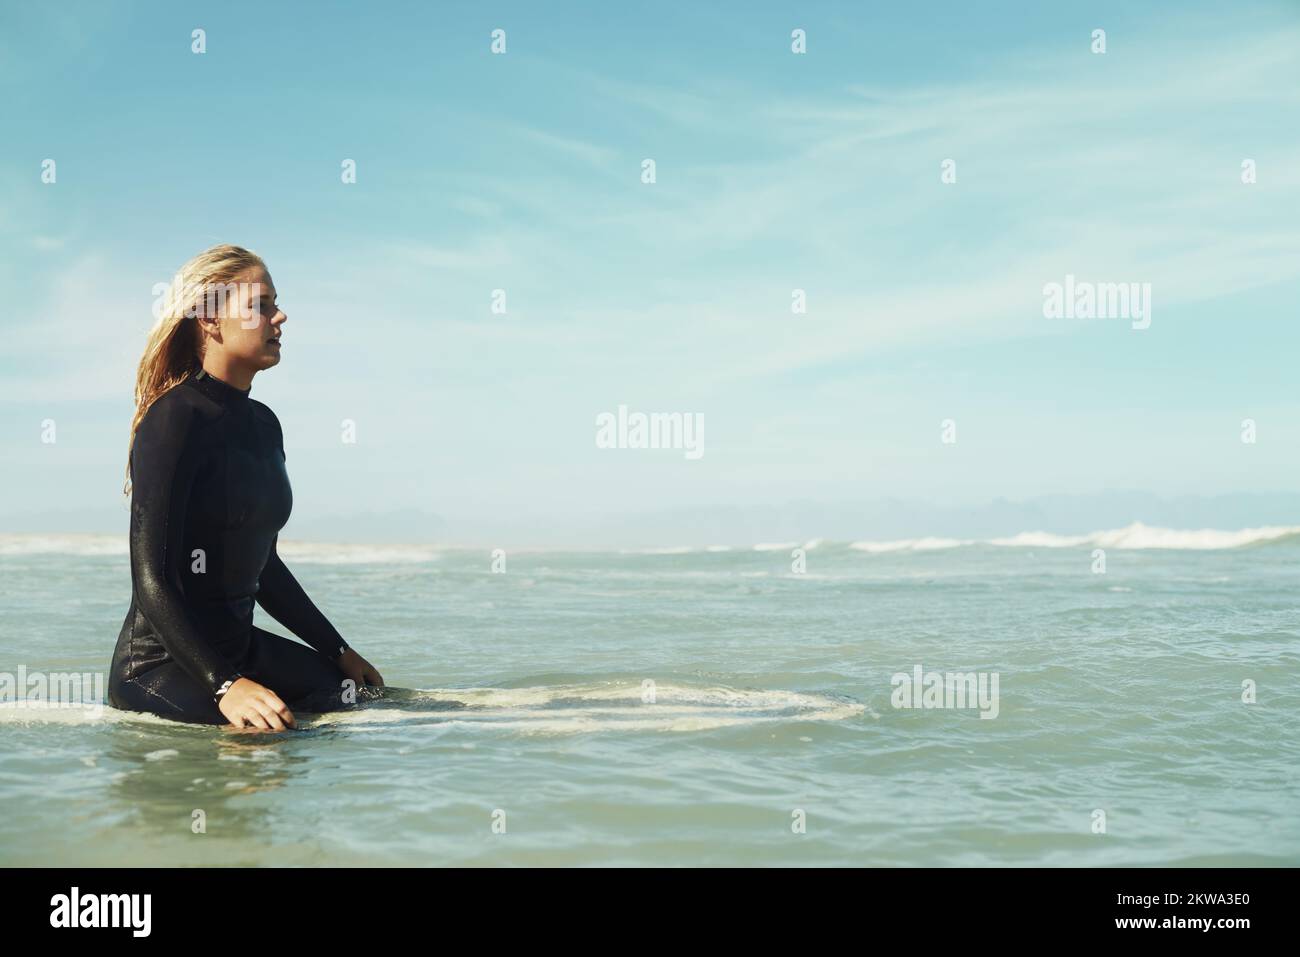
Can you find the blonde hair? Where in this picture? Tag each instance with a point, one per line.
(174, 349)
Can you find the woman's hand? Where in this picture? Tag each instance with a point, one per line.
(359, 670)
(247, 702)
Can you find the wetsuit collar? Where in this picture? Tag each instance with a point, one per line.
(216, 389)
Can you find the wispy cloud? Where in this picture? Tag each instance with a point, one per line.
(1123, 167)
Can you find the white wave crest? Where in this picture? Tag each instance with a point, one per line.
(587, 708)
(1135, 536)
(911, 545)
(537, 710)
(1138, 536)
(327, 553)
(72, 713)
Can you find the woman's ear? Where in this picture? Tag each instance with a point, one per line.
(210, 327)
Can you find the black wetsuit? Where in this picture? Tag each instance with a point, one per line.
(209, 496)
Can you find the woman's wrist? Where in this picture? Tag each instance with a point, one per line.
(226, 686)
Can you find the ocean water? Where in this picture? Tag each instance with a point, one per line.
(702, 706)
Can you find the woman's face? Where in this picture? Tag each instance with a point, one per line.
(249, 322)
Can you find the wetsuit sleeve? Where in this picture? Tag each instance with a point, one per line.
(284, 600)
(160, 491)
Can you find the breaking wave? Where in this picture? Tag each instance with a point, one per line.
(580, 708)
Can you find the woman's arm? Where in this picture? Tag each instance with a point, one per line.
(279, 593)
(160, 490)
(284, 599)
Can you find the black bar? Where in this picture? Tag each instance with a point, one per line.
(332, 906)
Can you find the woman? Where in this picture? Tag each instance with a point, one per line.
(209, 495)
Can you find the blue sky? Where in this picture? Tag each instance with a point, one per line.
(774, 172)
